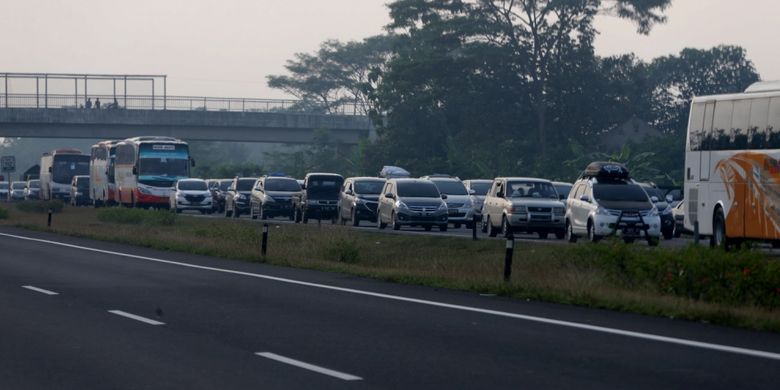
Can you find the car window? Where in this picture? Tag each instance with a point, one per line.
(580, 190)
(245, 184)
(368, 187)
(530, 189)
(225, 185)
(418, 190)
(480, 188)
(192, 185)
(18, 186)
(284, 185)
(619, 192)
(450, 187)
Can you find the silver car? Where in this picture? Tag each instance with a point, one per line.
(459, 200)
(17, 190)
(412, 202)
(478, 188)
(523, 204)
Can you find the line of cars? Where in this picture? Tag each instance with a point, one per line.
(20, 190)
(604, 201)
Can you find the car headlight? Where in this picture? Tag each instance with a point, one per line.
(653, 212)
(602, 211)
(559, 211)
(144, 191)
(519, 209)
(443, 206)
(401, 205)
(667, 210)
(270, 199)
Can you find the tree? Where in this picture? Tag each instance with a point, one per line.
(337, 75)
(695, 72)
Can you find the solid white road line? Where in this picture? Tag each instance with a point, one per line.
(135, 317)
(40, 290)
(310, 367)
(472, 309)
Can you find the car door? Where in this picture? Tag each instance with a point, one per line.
(345, 202)
(256, 198)
(385, 203)
(230, 195)
(576, 205)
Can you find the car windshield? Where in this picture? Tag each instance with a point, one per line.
(35, 184)
(450, 187)
(192, 185)
(3, 186)
(619, 193)
(18, 186)
(418, 190)
(67, 166)
(324, 185)
(481, 188)
(369, 187)
(283, 185)
(224, 185)
(530, 189)
(657, 192)
(245, 184)
(82, 183)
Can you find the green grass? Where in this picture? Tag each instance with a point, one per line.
(694, 283)
(3, 213)
(40, 206)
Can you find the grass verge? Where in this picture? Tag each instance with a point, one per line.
(695, 283)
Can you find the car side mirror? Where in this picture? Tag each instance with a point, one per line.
(444, 196)
(500, 194)
(49, 169)
(654, 199)
(303, 186)
(585, 198)
(389, 195)
(349, 192)
(472, 192)
(669, 198)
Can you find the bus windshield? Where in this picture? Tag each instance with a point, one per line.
(163, 161)
(65, 166)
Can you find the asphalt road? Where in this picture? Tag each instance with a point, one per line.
(80, 314)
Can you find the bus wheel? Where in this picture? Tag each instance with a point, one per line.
(719, 239)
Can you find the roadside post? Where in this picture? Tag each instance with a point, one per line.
(264, 243)
(48, 222)
(510, 248)
(696, 232)
(474, 227)
(8, 165)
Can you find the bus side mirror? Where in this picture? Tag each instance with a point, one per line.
(49, 169)
(135, 170)
(192, 162)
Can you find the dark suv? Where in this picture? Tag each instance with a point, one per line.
(319, 198)
(237, 196)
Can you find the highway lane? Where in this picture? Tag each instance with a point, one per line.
(217, 315)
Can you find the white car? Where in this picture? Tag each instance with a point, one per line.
(3, 191)
(17, 190)
(523, 204)
(191, 194)
(605, 202)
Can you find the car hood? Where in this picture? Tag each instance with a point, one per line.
(371, 198)
(457, 199)
(281, 194)
(625, 206)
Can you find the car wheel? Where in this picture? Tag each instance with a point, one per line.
(228, 213)
(543, 235)
(443, 228)
(428, 228)
(379, 224)
(304, 216)
(491, 231)
(628, 240)
(652, 241)
(354, 217)
(560, 234)
(484, 225)
(296, 215)
(394, 220)
(677, 232)
(469, 225)
(236, 211)
(456, 225)
(592, 237)
(668, 235)
(252, 214)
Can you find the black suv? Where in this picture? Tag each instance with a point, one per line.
(237, 196)
(319, 198)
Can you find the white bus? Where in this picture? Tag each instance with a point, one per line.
(732, 174)
(57, 170)
(147, 169)
(102, 186)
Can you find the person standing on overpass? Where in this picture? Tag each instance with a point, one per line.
(88, 103)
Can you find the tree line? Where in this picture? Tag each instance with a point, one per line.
(485, 88)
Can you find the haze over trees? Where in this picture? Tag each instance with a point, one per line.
(509, 87)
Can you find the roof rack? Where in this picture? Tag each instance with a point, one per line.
(607, 170)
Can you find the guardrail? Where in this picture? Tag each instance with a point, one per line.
(182, 103)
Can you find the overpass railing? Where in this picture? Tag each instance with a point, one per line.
(185, 103)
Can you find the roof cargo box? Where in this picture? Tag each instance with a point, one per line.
(391, 172)
(606, 169)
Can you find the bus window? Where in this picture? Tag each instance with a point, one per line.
(697, 127)
(721, 126)
(739, 124)
(759, 111)
(774, 123)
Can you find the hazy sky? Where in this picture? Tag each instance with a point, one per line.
(228, 47)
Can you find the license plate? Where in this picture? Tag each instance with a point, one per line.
(453, 211)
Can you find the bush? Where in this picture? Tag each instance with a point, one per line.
(698, 273)
(136, 216)
(3, 213)
(40, 206)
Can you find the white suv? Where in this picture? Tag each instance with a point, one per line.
(191, 194)
(605, 201)
(523, 204)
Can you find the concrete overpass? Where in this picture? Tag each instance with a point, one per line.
(271, 127)
(43, 112)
